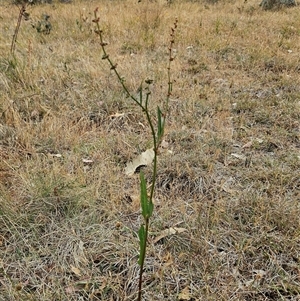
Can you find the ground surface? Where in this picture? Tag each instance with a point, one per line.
(228, 172)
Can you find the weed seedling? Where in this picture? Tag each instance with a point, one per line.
(157, 127)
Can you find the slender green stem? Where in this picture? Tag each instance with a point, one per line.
(154, 174)
(139, 298)
(156, 137)
(147, 220)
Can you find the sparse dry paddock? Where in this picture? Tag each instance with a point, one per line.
(229, 173)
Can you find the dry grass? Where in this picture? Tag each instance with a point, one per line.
(68, 227)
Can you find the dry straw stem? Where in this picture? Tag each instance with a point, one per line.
(229, 169)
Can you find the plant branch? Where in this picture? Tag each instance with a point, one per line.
(146, 201)
(14, 38)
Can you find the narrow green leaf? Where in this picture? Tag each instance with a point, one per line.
(160, 123)
(144, 196)
(142, 236)
(150, 209)
(146, 101)
(141, 93)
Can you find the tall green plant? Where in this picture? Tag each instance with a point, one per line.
(157, 127)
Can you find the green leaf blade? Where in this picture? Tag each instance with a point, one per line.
(144, 196)
(160, 124)
(150, 208)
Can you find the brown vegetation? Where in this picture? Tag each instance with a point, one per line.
(228, 175)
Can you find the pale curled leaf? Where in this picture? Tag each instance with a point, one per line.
(168, 232)
(239, 156)
(259, 273)
(56, 155)
(75, 270)
(164, 144)
(143, 159)
(116, 115)
(247, 145)
(184, 294)
(79, 253)
(70, 290)
(87, 161)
